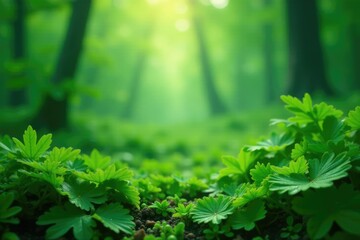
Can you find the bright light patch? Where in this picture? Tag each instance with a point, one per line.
(153, 2)
(219, 3)
(182, 25)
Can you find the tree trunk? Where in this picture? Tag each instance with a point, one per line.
(17, 94)
(134, 85)
(355, 40)
(55, 110)
(216, 105)
(306, 63)
(268, 45)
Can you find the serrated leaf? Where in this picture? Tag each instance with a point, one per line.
(96, 160)
(246, 217)
(276, 143)
(260, 173)
(299, 150)
(344, 209)
(7, 213)
(353, 119)
(239, 165)
(322, 111)
(63, 154)
(124, 192)
(306, 113)
(84, 194)
(65, 218)
(49, 177)
(295, 166)
(115, 217)
(31, 148)
(333, 129)
(110, 173)
(249, 192)
(210, 209)
(322, 173)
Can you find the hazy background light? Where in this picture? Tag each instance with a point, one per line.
(219, 3)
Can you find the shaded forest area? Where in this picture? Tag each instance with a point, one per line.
(149, 119)
(171, 61)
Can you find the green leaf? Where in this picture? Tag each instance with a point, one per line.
(333, 129)
(353, 119)
(96, 160)
(63, 154)
(100, 175)
(246, 217)
(32, 149)
(276, 143)
(298, 166)
(124, 192)
(299, 150)
(115, 217)
(7, 213)
(210, 209)
(65, 218)
(84, 194)
(238, 165)
(249, 192)
(260, 173)
(322, 173)
(344, 209)
(306, 113)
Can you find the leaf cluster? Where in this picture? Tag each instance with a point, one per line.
(77, 190)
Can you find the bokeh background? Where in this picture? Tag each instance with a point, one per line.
(149, 79)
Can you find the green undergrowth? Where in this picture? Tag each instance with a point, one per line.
(301, 181)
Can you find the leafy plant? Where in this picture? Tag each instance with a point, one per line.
(211, 209)
(7, 213)
(79, 190)
(162, 207)
(182, 210)
(291, 231)
(246, 217)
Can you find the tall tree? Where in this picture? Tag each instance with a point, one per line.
(306, 62)
(17, 95)
(54, 111)
(216, 105)
(268, 45)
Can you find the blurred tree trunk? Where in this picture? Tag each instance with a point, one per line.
(306, 63)
(53, 113)
(216, 105)
(17, 94)
(355, 41)
(134, 85)
(268, 45)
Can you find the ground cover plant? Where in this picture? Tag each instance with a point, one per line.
(302, 182)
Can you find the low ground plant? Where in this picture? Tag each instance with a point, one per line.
(301, 182)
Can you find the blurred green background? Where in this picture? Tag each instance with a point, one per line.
(174, 79)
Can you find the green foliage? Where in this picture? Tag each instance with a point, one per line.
(322, 173)
(246, 217)
(182, 210)
(300, 182)
(162, 207)
(77, 189)
(66, 218)
(31, 148)
(211, 209)
(323, 207)
(115, 217)
(353, 119)
(7, 212)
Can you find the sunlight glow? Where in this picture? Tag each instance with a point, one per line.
(153, 2)
(219, 3)
(182, 25)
